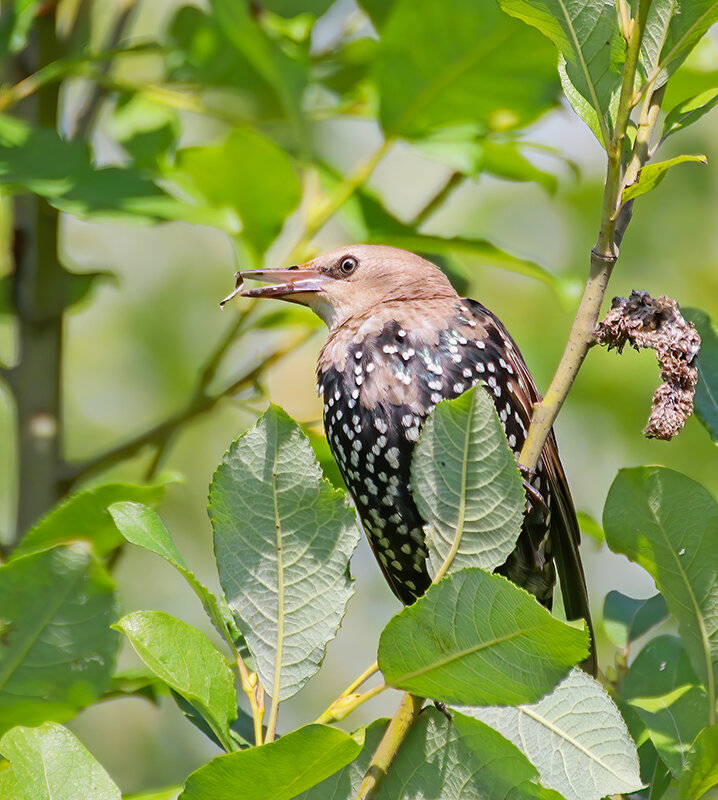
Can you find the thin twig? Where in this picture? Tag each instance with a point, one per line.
(200, 404)
(395, 734)
(345, 705)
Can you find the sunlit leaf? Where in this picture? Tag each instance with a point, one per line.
(626, 619)
(652, 174)
(701, 773)
(247, 174)
(457, 62)
(142, 526)
(85, 516)
(49, 763)
(706, 398)
(689, 111)
(283, 536)
(664, 691)
(279, 770)
(345, 783)
(513, 651)
(673, 28)
(466, 485)
(185, 659)
(575, 737)
(587, 36)
(666, 522)
(458, 759)
(56, 648)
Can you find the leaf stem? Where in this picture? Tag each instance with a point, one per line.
(343, 706)
(395, 734)
(603, 257)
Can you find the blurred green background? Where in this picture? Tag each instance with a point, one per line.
(135, 345)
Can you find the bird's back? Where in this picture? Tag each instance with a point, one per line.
(380, 376)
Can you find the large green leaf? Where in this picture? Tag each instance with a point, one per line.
(344, 784)
(466, 484)
(458, 759)
(85, 516)
(706, 398)
(651, 175)
(626, 619)
(185, 659)
(664, 691)
(666, 522)
(279, 770)
(142, 526)
(477, 639)
(9, 787)
(35, 159)
(575, 737)
(49, 763)
(247, 174)
(56, 647)
(458, 62)
(702, 766)
(673, 28)
(283, 537)
(587, 36)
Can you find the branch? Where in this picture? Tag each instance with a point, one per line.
(200, 404)
(603, 255)
(395, 734)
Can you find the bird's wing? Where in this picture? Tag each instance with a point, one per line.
(564, 530)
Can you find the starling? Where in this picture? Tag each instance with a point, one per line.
(400, 340)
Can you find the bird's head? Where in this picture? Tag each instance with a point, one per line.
(352, 281)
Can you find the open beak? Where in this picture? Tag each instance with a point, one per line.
(284, 283)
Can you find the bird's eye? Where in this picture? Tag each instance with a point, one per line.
(347, 265)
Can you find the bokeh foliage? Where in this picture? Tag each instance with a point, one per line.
(281, 127)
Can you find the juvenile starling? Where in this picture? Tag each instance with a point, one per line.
(400, 340)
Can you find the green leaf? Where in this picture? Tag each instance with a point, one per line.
(170, 793)
(666, 522)
(706, 398)
(590, 527)
(84, 516)
(459, 62)
(56, 648)
(49, 763)
(143, 527)
(344, 784)
(279, 770)
(575, 737)
(507, 160)
(664, 691)
(145, 129)
(587, 36)
(673, 28)
(626, 619)
(652, 174)
(247, 174)
(35, 159)
(457, 759)
(689, 111)
(292, 8)
(513, 651)
(466, 485)
(9, 787)
(701, 772)
(283, 537)
(186, 660)
(285, 76)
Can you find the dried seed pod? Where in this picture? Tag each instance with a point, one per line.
(645, 322)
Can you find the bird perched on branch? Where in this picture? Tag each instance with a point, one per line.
(400, 340)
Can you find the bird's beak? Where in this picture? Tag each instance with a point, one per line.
(284, 283)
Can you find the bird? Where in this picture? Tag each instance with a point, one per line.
(401, 340)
